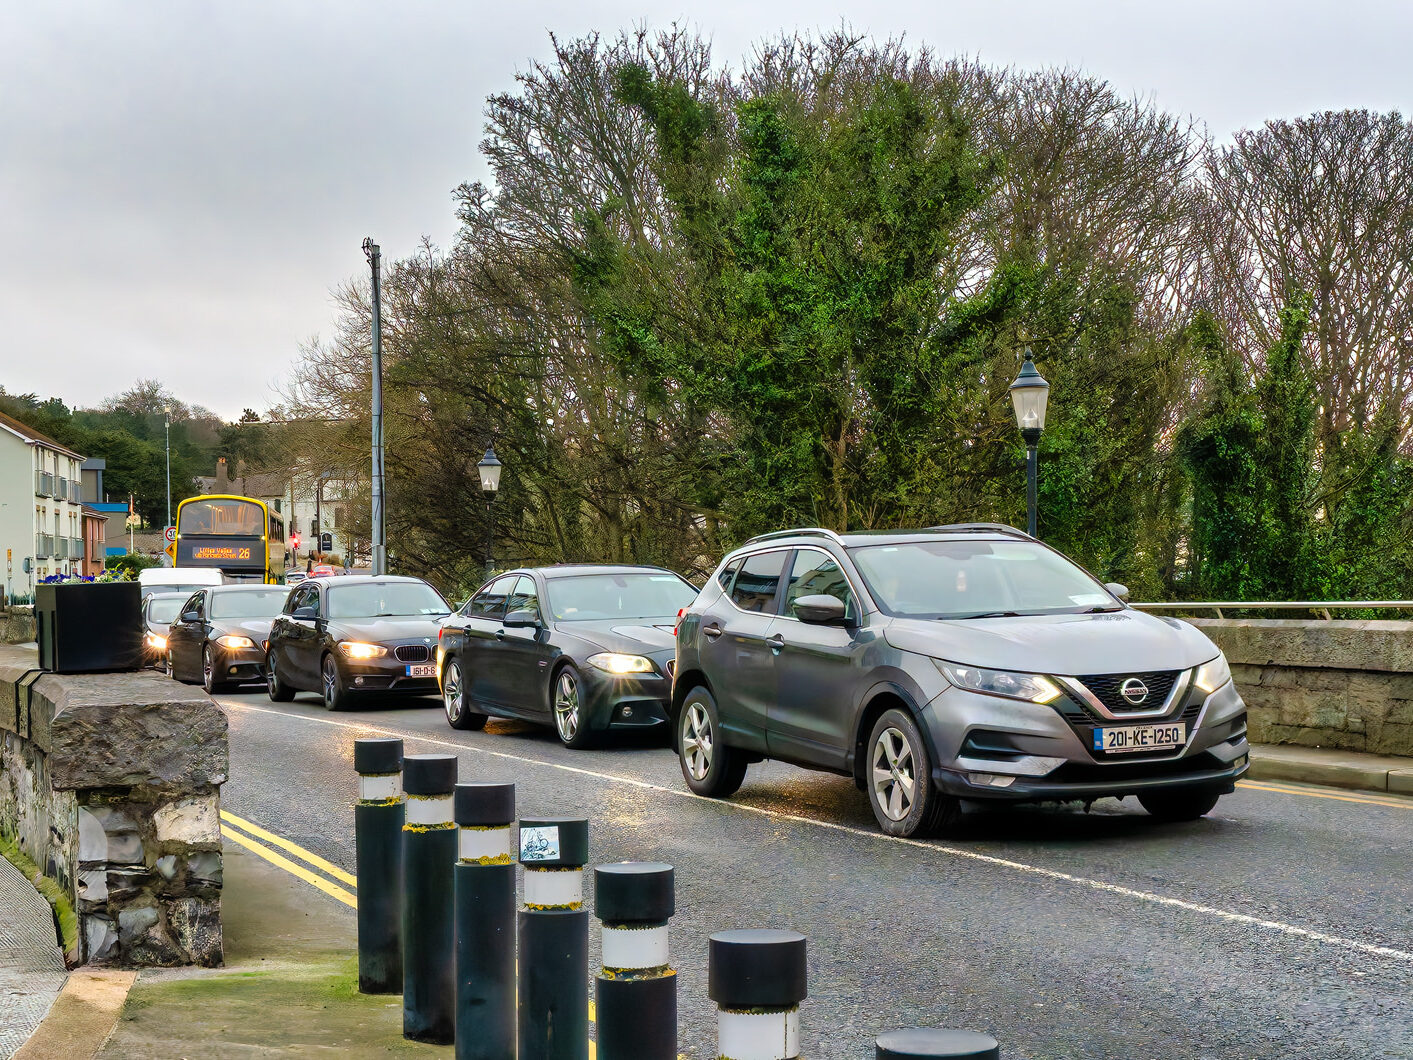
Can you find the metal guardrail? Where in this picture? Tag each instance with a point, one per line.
(1322, 606)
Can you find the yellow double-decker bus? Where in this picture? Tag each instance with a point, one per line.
(240, 536)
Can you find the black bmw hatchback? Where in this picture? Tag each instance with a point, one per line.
(585, 648)
(355, 636)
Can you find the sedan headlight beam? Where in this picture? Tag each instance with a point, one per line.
(613, 662)
(355, 649)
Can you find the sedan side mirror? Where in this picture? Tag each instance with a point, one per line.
(522, 620)
(191, 616)
(307, 613)
(1121, 591)
(819, 610)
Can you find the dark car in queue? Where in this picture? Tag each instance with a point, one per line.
(159, 611)
(584, 648)
(355, 636)
(219, 637)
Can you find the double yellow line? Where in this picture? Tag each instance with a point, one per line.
(238, 830)
(1280, 789)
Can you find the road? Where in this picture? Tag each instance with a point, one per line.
(1279, 927)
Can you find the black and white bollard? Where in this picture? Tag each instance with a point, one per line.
(554, 941)
(485, 922)
(637, 989)
(757, 979)
(377, 823)
(927, 1043)
(429, 852)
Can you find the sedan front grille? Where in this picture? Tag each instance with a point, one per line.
(412, 653)
(1106, 689)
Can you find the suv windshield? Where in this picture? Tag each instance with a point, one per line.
(950, 578)
(383, 599)
(248, 604)
(593, 597)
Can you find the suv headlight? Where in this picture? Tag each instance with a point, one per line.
(614, 663)
(357, 650)
(1212, 675)
(1031, 687)
(232, 641)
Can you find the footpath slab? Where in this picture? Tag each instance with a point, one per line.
(1336, 769)
(31, 966)
(289, 986)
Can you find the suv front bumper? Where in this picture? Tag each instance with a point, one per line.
(989, 748)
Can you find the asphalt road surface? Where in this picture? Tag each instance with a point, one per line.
(1281, 926)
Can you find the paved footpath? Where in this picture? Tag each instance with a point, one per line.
(31, 966)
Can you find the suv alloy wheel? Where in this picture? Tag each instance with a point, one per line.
(899, 778)
(708, 765)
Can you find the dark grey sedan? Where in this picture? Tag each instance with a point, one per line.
(219, 637)
(582, 647)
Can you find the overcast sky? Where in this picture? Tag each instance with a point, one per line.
(182, 184)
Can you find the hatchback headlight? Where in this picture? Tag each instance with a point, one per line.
(1212, 675)
(614, 663)
(1031, 687)
(231, 641)
(156, 641)
(355, 649)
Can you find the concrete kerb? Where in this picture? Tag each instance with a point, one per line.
(83, 1017)
(1336, 769)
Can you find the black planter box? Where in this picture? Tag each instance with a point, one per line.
(89, 627)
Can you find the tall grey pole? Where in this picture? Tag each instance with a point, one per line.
(380, 553)
(169, 468)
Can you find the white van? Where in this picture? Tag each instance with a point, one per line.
(177, 579)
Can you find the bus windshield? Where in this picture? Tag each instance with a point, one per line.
(222, 517)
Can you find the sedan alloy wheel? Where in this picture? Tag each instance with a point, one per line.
(569, 720)
(459, 714)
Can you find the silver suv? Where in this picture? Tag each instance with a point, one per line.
(935, 667)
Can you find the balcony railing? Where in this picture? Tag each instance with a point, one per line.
(43, 484)
(43, 546)
(76, 548)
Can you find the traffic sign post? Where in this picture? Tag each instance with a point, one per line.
(170, 534)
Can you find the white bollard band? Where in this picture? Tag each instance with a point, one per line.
(625, 948)
(488, 846)
(379, 787)
(758, 1035)
(429, 811)
(554, 888)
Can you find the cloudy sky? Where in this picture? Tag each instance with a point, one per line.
(182, 184)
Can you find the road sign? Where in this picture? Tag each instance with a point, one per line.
(172, 551)
(170, 534)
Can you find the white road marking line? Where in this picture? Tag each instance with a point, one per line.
(970, 855)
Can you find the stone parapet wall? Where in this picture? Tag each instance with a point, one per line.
(111, 784)
(1339, 684)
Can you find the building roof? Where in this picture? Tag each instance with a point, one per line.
(29, 434)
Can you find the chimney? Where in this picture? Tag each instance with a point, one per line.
(223, 483)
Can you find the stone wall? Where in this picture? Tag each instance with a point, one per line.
(111, 784)
(16, 625)
(1339, 684)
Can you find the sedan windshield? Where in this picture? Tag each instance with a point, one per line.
(948, 578)
(165, 610)
(385, 599)
(265, 603)
(597, 597)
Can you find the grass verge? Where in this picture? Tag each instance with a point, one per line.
(64, 914)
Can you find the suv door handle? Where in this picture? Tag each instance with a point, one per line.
(776, 643)
(711, 632)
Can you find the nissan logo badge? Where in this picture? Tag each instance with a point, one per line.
(1134, 690)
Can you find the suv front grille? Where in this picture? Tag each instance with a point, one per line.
(412, 653)
(1105, 688)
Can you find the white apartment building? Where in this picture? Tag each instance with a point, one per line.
(41, 507)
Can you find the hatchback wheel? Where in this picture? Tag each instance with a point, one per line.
(458, 714)
(898, 774)
(708, 766)
(571, 721)
(278, 691)
(1179, 805)
(336, 695)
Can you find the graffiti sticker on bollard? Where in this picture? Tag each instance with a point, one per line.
(539, 844)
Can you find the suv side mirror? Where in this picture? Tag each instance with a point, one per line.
(522, 620)
(1121, 591)
(306, 613)
(819, 610)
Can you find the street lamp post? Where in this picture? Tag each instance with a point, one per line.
(489, 469)
(379, 522)
(168, 411)
(1030, 394)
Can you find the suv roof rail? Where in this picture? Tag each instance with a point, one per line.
(983, 528)
(804, 531)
